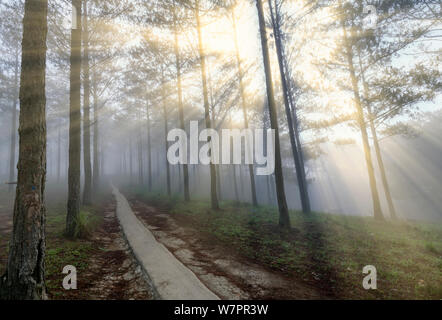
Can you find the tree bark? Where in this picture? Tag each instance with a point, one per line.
(87, 192)
(74, 127)
(25, 275)
(284, 219)
(213, 192)
(244, 106)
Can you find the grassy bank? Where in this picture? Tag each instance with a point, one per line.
(62, 251)
(328, 251)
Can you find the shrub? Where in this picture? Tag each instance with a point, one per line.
(86, 223)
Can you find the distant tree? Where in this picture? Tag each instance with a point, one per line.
(284, 219)
(74, 197)
(87, 192)
(10, 38)
(389, 92)
(277, 20)
(202, 56)
(178, 57)
(349, 60)
(380, 90)
(163, 93)
(243, 99)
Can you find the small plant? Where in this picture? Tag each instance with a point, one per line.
(86, 223)
(429, 246)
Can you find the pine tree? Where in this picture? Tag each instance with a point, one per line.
(284, 219)
(25, 275)
(74, 198)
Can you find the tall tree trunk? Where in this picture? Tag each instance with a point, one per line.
(241, 182)
(74, 127)
(180, 105)
(382, 169)
(212, 110)
(158, 165)
(124, 163)
(96, 163)
(213, 192)
(284, 219)
(360, 113)
(166, 143)
(380, 161)
(235, 183)
(195, 177)
(218, 181)
(87, 192)
(131, 172)
(140, 155)
(12, 163)
(302, 183)
(179, 179)
(149, 148)
(25, 274)
(244, 105)
(270, 189)
(102, 158)
(59, 154)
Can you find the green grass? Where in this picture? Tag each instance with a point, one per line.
(155, 198)
(326, 250)
(61, 251)
(86, 223)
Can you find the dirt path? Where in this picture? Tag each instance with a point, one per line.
(171, 279)
(111, 272)
(220, 269)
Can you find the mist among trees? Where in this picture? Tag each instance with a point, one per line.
(89, 91)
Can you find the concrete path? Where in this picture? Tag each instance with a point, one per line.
(171, 279)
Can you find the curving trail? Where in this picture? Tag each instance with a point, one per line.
(170, 278)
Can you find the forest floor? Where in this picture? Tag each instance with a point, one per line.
(240, 253)
(106, 269)
(227, 274)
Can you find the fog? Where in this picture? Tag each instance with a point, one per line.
(338, 181)
(134, 100)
